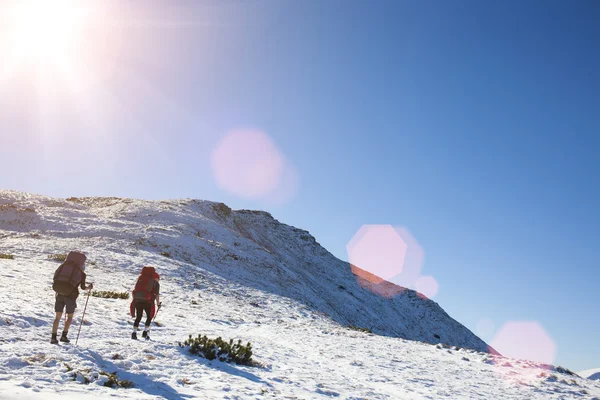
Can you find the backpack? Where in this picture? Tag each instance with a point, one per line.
(144, 287)
(69, 274)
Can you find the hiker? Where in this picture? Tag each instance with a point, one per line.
(68, 277)
(145, 294)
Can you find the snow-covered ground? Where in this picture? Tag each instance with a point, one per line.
(237, 275)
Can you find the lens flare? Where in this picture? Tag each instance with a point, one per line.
(427, 287)
(526, 340)
(386, 259)
(379, 250)
(248, 164)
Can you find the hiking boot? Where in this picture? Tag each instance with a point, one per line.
(64, 338)
(134, 335)
(145, 335)
(53, 340)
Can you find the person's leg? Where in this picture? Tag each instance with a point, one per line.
(56, 322)
(139, 310)
(148, 311)
(70, 305)
(59, 305)
(68, 323)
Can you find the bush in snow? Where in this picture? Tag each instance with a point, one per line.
(80, 377)
(222, 210)
(7, 256)
(102, 378)
(110, 294)
(212, 349)
(57, 257)
(114, 382)
(358, 328)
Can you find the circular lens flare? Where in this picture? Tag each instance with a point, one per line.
(248, 164)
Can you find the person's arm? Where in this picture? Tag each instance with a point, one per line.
(83, 285)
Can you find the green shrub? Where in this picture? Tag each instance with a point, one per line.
(358, 328)
(110, 294)
(57, 257)
(7, 256)
(212, 349)
(222, 210)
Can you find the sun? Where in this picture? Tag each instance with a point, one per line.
(45, 31)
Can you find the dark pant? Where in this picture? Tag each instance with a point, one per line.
(142, 306)
(63, 302)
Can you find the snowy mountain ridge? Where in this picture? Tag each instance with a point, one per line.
(248, 247)
(234, 274)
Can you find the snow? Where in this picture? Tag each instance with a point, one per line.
(593, 374)
(234, 274)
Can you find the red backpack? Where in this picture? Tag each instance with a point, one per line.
(144, 287)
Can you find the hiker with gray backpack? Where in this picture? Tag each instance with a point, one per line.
(68, 277)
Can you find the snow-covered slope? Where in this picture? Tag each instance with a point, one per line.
(593, 374)
(235, 274)
(246, 247)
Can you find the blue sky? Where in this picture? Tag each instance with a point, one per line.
(473, 124)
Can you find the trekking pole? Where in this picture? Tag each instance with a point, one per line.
(156, 313)
(86, 301)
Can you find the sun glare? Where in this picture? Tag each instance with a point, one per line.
(59, 54)
(44, 31)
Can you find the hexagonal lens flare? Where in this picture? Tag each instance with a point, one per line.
(526, 340)
(387, 259)
(427, 287)
(377, 249)
(387, 252)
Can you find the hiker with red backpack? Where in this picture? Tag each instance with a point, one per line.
(68, 277)
(145, 294)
